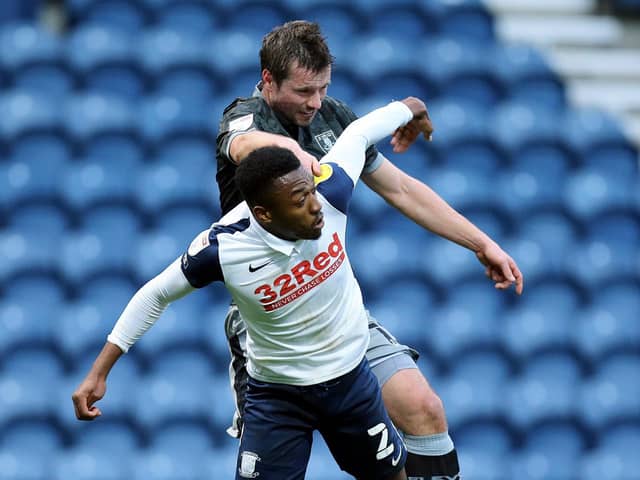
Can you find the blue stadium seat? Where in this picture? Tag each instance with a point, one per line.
(463, 187)
(165, 464)
(21, 464)
(25, 252)
(551, 451)
(448, 264)
(193, 16)
(403, 19)
(403, 307)
(615, 456)
(113, 436)
(105, 60)
(182, 438)
(337, 20)
(527, 77)
(213, 328)
(184, 222)
(590, 190)
(40, 437)
(22, 324)
(598, 137)
(322, 465)
(21, 393)
(255, 17)
(181, 325)
(462, 138)
(554, 231)
(474, 388)
(461, 70)
(25, 112)
(234, 57)
(39, 214)
(389, 58)
(609, 395)
(469, 319)
(89, 463)
(547, 390)
(91, 115)
(610, 323)
(176, 62)
(163, 399)
(117, 14)
(105, 244)
(535, 328)
(478, 463)
(493, 436)
(155, 251)
(468, 19)
(47, 288)
(35, 59)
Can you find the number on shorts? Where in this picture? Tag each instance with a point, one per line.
(384, 448)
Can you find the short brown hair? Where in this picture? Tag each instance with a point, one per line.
(293, 41)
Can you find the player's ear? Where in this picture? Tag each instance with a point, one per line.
(262, 214)
(267, 77)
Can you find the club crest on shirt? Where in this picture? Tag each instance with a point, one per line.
(248, 465)
(325, 140)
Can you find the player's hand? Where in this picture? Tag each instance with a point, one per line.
(309, 161)
(403, 137)
(90, 391)
(501, 268)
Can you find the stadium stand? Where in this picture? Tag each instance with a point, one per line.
(107, 134)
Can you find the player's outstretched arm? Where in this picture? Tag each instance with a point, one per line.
(245, 143)
(94, 385)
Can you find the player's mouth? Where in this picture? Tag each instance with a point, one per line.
(308, 115)
(319, 223)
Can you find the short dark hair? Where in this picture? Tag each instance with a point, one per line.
(299, 41)
(257, 172)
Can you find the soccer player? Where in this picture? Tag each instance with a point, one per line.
(281, 256)
(290, 108)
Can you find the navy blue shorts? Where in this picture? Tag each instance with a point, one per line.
(279, 421)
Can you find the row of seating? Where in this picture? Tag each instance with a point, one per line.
(226, 64)
(467, 18)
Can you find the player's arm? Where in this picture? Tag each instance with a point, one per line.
(426, 208)
(197, 268)
(243, 144)
(142, 311)
(349, 150)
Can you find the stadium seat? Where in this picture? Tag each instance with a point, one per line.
(609, 396)
(614, 457)
(176, 62)
(403, 19)
(193, 16)
(337, 20)
(105, 60)
(182, 438)
(165, 464)
(24, 252)
(25, 112)
(21, 464)
(463, 187)
(40, 437)
(234, 57)
(117, 14)
(461, 71)
(590, 190)
(104, 244)
(322, 465)
(113, 436)
(35, 59)
(551, 451)
(609, 323)
(546, 390)
(494, 437)
(473, 389)
(480, 464)
(163, 399)
(184, 222)
(468, 320)
(89, 463)
(90, 115)
(467, 19)
(21, 392)
(527, 77)
(22, 325)
(403, 308)
(255, 17)
(35, 214)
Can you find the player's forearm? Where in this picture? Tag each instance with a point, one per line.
(243, 144)
(425, 207)
(105, 360)
(148, 304)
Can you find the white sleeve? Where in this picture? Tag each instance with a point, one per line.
(349, 149)
(146, 306)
